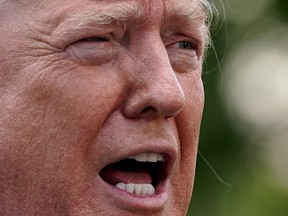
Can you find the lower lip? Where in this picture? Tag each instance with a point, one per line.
(130, 201)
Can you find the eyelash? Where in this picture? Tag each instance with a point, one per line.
(94, 39)
(187, 45)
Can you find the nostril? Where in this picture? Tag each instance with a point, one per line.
(149, 112)
(152, 112)
(149, 109)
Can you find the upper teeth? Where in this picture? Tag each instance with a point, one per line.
(148, 157)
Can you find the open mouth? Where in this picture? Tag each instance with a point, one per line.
(140, 174)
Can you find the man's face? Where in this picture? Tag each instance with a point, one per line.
(101, 103)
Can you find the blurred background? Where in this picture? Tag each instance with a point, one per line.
(244, 134)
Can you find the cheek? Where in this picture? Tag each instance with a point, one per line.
(49, 123)
(189, 119)
(194, 94)
(188, 125)
(92, 101)
(56, 117)
(82, 97)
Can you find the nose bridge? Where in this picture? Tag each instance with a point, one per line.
(155, 64)
(157, 90)
(159, 77)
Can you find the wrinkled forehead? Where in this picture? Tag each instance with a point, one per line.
(184, 14)
(185, 8)
(188, 11)
(161, 9)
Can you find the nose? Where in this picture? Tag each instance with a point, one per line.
(156, 90)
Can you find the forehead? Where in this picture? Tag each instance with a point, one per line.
(136, 10)
(170, 15)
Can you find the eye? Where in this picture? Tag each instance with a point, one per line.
(184, 54)
(94, 50)
(187, 45)
(94, 39)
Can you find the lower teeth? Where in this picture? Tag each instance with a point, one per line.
(139, 189)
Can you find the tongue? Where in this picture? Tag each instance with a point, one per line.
(114, 176)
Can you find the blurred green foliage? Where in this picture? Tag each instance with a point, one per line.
(228, 150)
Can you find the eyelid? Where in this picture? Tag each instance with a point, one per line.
(94, 39)
(69, 36)
(177, 38)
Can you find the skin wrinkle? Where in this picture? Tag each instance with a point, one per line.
(190, 13)
(109, 15)
(64, 121)
(119, 13)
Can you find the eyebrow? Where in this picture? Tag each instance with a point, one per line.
(109, 14)
(119, 12)
(192, 15)
(191, 12)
